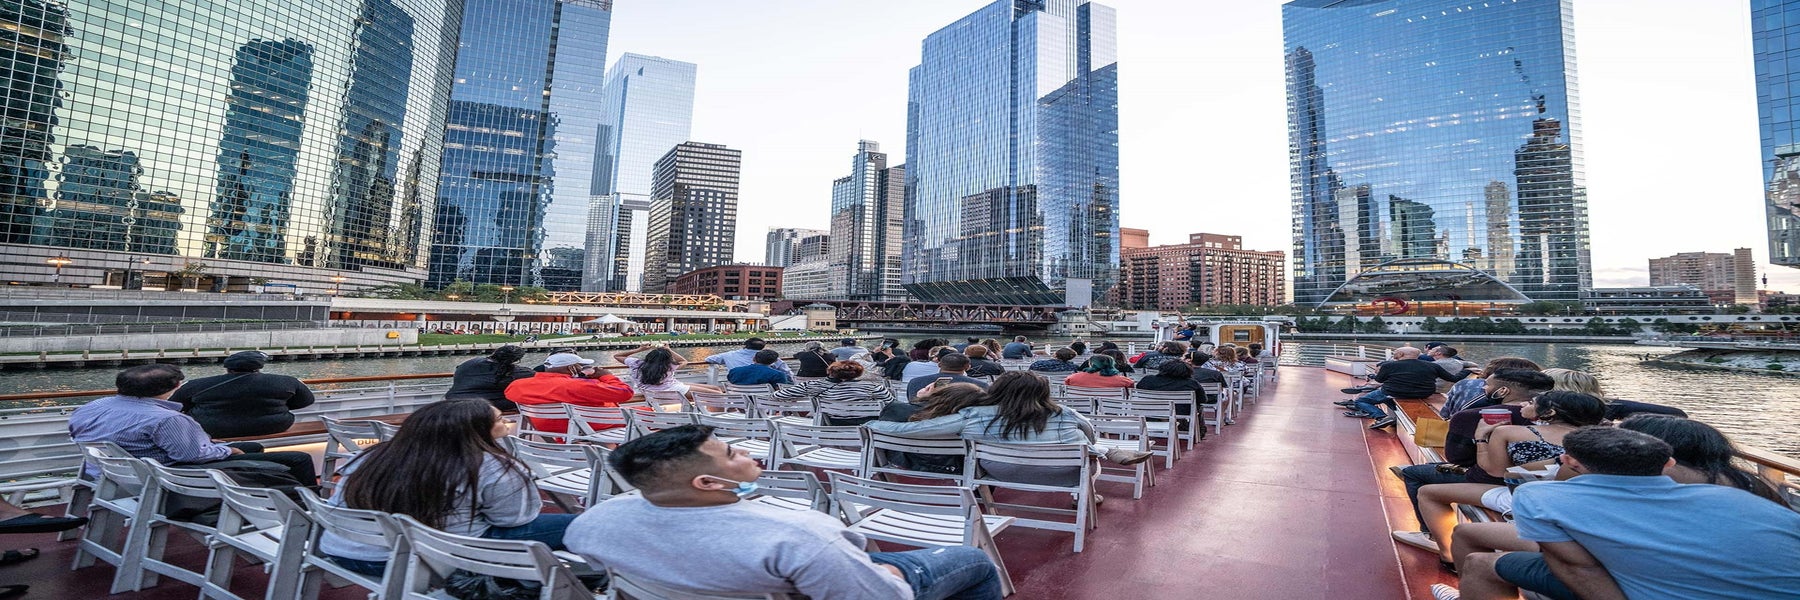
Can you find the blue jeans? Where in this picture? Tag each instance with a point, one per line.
(547, 528)
(1366, 403)
(952, 573)
(1529, 571)
(1421, 475)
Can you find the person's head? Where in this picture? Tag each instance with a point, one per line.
(1441, 352)
(1079, 347)
(250, 361)
(1615, 451)
(814, 347)
(1256, 349)
(1225, 354)
(1432, 345)
(566, 363)
(1702, 449)
(1575, 381)
(976, 352)
(1019, 339)
(1104, 346)
(149, 381)
(1175, 369)
(949, 399)
(1116, 354)
(992, 345)
(1171, 348)
(1102, 364)
(768, 357)
(1568, 408)
(895, 367)
(974, 340)
(1243, 353)
(925, 344)
(953, 362)
(1023, 402)
(755, 343)
(844, 370)
(507, 355)
(1516, 385)
(1406, 352)
(1065, 354)
(1509, 362)
(1196, 358)
(438, 452)
(659, 366)
(684, 466)
(847, 342)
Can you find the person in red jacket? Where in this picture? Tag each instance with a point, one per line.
(568, 379)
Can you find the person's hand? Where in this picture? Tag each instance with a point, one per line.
(236, 450)
(895, 570)
(1485, 430)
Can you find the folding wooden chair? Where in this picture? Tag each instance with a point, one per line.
(263, 526)
(367, 527)
(1075, 457)
(877, 459)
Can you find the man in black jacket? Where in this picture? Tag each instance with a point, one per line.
(244, 401)
(1405, 378)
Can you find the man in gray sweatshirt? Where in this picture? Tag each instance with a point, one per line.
(692, 530)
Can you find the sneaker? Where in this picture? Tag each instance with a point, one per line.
(1398, 472)
(1127, 457)
(1358, 414)
(1416, 539)
(1387, 421)
(1441, 591)
(1345, 403)
(1099, 499)
(1357, 390)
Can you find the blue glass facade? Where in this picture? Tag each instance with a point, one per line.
(648, 109)
(245, 139)
(1436, 130)
(519, 150)
(1012, 187)
(867, 220)
(1776, 26)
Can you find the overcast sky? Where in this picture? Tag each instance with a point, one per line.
(1667, 98)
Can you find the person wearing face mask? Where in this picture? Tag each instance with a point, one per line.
(691, 530)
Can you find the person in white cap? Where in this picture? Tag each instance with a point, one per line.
(568, 379)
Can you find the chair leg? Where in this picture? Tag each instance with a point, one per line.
(284, 577)
(311, 581)
(219, 566)
(81, 499)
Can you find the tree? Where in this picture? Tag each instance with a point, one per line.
(1375, 325)
(401, 291)
(1347, 325)
(1431, 325)
(193, 270)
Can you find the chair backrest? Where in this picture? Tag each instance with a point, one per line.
(851, 407)
(547, 412)
(386, 429)
(120, 477)
(752, 390)
(255, 508)
(666, 400)
(703, 402)
(369, 527)
(877, 444)
(1076, 391)
(1025, 455)
(770, 406)
(343, 438)
(1146, 403)
(857, 497)
(625, 587)
(792, 436)
(436, 554)
(647, 422)
(1080, 404)
(737, 427)
(548, 459)
(197, 483)
(801, 485)
(1122, 426)
(583, 418)
(1212, 390)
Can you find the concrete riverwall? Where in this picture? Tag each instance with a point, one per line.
(275, 338)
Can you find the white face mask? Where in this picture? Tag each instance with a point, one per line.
(743, 489)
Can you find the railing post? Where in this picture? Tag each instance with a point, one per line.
(392, 400)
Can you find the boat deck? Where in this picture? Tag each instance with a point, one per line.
(1292, 502)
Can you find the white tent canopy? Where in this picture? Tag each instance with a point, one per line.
(608, 319)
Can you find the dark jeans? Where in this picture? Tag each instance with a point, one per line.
(547, 528)
(1421, 475)
(952, 573)
(1366, 403)
(298, 464)
(1529, 571)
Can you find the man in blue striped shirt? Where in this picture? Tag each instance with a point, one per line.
(143, 422)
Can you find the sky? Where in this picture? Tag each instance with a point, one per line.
(1666, 90)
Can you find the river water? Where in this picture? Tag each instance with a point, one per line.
(1755, 409)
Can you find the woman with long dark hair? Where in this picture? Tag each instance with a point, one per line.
(487, 377)
(895, 368)
(446, 469)
(655, 372)
(1702, 454)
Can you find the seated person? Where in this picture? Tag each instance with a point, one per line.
(1446, 358)
(655, 372)
(933, 402)
(1621, 528)
(1204, 375)
(846, 350)
(1225, 360)
(1100, 372)
(812, 359)
(692, 496)
(893, 368)
(487, 377)
(951, 366)
(445, 468)
(244, 401)
(928, 366)
(1616, 410)
(568, 379)
(1061, 361)
(1403, 378)
(1175, 376)
(733, 359)
(1019, 349)
(1165, 352)
(981, 363)
(842, 385)
(1465, 393)
(143, 422)
(762, 372)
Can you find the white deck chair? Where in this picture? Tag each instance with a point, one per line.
(566, 471)
(786, 410)
(81, 488)
(925, 516)
(792, 490)
(1079, 404)
(644, 422)
(755, 436)
(343, 441)
(1048, 456)
(626, 587)
(1128, 433)
(1076, 391)
(112, 515)
(817, 446)
(548, 412)
(1219, 408)
(434, 555)
(369, 527)
(754, 390)
(602, 424)
(1159, 420)
(721, 405)
(1177, 398)
(262, 525)
(387, 429)
(666, 401)
(152, 538)
(877, 462)
(855, 408)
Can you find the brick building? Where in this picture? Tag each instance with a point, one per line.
(731, 282)
(1726, 278)
(1209, 270)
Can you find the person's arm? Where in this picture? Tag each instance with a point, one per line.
(947, 426)
(839, 570)
(804, 390)
(624, 353)
(302, 398)
(601, 390)
(781, 365)
(1491, 455)
(507, 497)
(1451, 377)
(185, 442)
(1578, 569)
(1382, 373)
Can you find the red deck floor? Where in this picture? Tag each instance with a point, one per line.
(1292, 502)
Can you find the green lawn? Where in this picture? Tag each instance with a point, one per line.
(434, 339)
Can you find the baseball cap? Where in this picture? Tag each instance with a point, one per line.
(566, 359)
(249, 360)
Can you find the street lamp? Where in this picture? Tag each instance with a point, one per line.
(58, 260)
(452, 297)
(504, 315)
(337, 283)
(506, 294)
(129, 263)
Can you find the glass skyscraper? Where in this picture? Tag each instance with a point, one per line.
(250, 139)
(1439, 136)
(520, 150)
(1776, 25)
(693, 213)
(867, 219)
(648, 108)
(1012, 150)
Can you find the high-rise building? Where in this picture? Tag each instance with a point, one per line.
(519, 149)
(782, 246)
(1209, 270)
(1435, 139)
(812, 248)
(731, 282)
(867, 220)
(693, 212)
(264, 141)
(809, 280)
(1725, 278)
(648, 108)
(1012, 148)
(1780, 128)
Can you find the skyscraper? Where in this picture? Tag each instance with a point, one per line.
(1777, 62)
(1440, 133)
(260, 141)
(867, 219)
(648, 108)
(693, 212)
(782, 246)
(519, 150)
(1013, 157)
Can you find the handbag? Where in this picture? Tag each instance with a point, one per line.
(1429, 433)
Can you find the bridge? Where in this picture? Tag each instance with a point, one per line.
(932, 313)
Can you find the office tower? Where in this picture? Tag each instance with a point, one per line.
(813, 248)
(256, 142)
(520, 150)
(1208, 270)
(867, 219)
(782, 246)
(1776, 63)
(1440, 134)
(648, 108)
(1012, 154)
(1725, 278)
(693, 212)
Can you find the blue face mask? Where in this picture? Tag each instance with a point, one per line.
(743, 489)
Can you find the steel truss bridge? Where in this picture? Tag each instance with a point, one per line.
(858, 311)
(636, 300)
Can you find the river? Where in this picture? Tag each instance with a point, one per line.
(1755, 409)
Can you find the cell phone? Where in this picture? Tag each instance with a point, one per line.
(941, 382)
